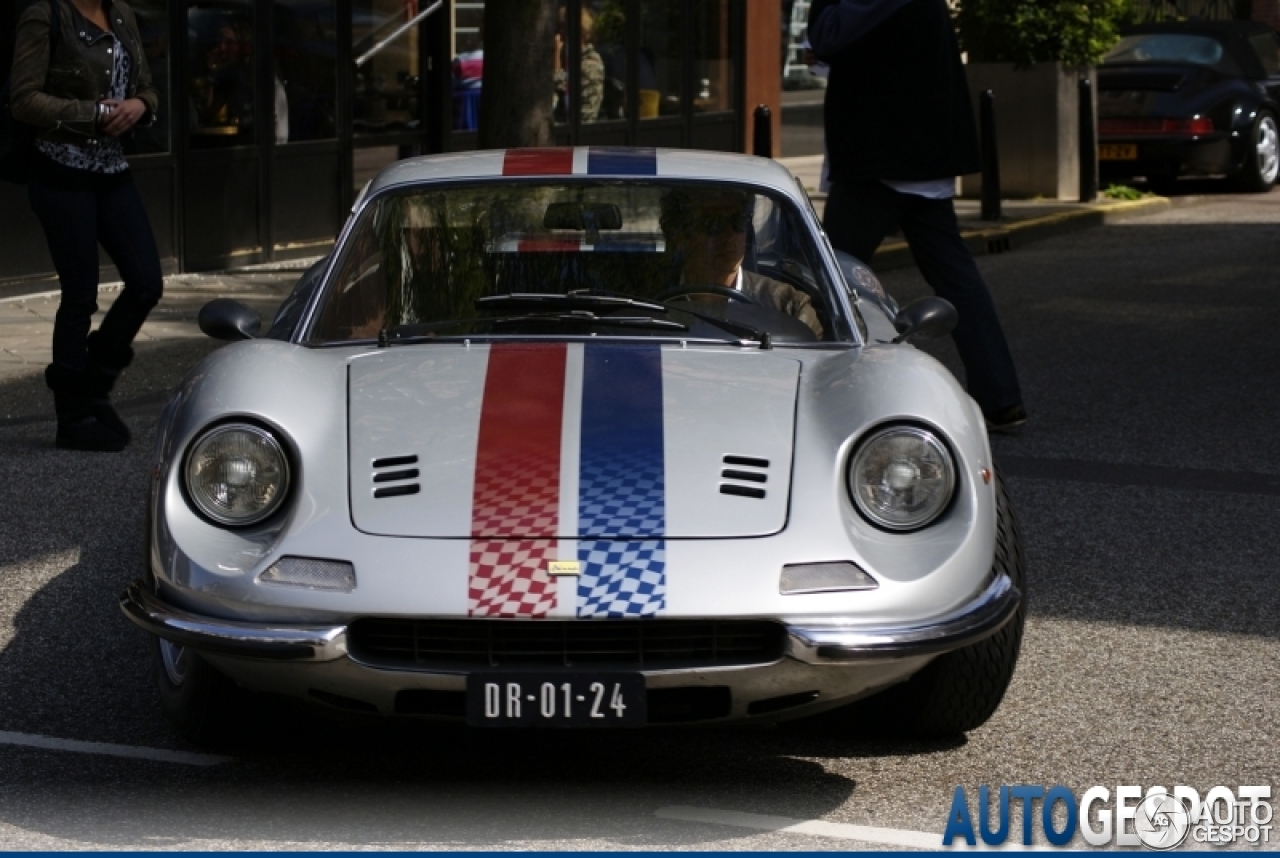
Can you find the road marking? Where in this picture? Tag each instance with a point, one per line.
(106, 749)
(838, 830)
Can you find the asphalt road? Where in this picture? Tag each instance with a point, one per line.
(1148, 491)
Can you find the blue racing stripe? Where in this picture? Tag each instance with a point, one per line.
(621, 484)
(613, 161)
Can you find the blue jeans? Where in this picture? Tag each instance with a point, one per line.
(75, 223)
(858, 217)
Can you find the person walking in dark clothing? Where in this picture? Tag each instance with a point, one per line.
(82, 88)
(899, 129)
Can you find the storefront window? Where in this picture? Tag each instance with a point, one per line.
(387, 66)
(304, 71)
(220, 48)
(153, 25)
(608, 36)
(712, 56)
(658, 72)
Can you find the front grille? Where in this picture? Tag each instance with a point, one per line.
(629, 644)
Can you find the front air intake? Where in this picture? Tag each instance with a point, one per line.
(603, 644)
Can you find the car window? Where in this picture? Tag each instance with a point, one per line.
(437, 261)
(1173, 48)
(1267, 47)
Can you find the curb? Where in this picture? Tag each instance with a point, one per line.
(1001, 239)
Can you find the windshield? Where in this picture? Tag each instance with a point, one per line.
(1172, 48)
(565, 258)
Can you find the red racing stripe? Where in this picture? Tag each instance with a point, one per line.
(538, 162)
(515, 510)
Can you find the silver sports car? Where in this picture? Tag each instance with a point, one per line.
(584, 437)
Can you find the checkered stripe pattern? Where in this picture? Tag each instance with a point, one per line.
(509, 578)
(622, 494)
(622, 579)
(515, 505)
(519, 498)
(621, 484)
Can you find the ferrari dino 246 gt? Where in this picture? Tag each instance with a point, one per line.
(581, 437)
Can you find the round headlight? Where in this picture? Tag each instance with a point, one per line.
(901, 477)
(237, 474)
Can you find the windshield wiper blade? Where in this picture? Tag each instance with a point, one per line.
(587, 317)
(738, 329)
(572, 301)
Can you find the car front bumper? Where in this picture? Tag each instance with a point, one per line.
(832, 661)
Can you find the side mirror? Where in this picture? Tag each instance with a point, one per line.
(225, 319)
(925, 318)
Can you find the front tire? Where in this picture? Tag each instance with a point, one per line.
(958, 691)
(201, 703)
(1262, 161)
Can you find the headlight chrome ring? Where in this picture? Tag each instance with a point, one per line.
(237, 474)
(901, 477)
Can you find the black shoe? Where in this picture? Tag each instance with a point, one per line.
(79, 427)
(1008, 419)
(105, 365)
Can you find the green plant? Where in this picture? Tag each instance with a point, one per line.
(1026, 32)
(1122, 192)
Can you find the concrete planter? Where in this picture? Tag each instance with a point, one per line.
(1037, 128)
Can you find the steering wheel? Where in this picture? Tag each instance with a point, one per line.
(685, 289)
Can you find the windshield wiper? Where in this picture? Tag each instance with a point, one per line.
(576, 300)
(738, 329)
(589, 318)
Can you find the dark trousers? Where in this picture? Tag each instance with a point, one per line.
(858, 217)
(75, 223)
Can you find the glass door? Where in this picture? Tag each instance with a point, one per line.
(221, 182)
(306, 159)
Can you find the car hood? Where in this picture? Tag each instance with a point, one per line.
(571, 441)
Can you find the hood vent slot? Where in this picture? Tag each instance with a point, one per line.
(744, 483)
(392, 470)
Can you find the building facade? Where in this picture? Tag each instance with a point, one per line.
(276, 112)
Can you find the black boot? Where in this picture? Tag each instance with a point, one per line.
(105, 366)
(78, 427)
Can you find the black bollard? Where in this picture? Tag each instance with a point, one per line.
(762, 132)
(990, 157)
(1088, 144)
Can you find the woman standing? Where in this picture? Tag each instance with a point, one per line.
(81, 96)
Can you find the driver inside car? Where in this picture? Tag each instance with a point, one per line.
(706, 234)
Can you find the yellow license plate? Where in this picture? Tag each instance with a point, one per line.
(1118, 152)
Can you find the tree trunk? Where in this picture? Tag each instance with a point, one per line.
(515, 108)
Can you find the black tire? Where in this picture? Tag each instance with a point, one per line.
(201, 703)
(958, 691)
(1260, 169)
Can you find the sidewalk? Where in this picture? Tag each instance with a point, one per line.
(1023, 220)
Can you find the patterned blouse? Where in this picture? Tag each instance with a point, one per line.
(108, 156)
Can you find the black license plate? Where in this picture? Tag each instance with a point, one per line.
(555, 700)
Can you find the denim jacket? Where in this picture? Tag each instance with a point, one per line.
(59, 94)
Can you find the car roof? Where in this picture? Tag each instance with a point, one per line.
(589, 163)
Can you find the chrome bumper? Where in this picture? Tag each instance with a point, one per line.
(229, 637)
(979, 618)
(982, 616)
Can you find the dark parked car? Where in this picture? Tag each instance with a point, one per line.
(1191, 98)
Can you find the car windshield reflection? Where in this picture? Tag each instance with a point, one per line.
(563, 258)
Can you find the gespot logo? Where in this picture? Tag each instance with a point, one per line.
(1158, 818)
